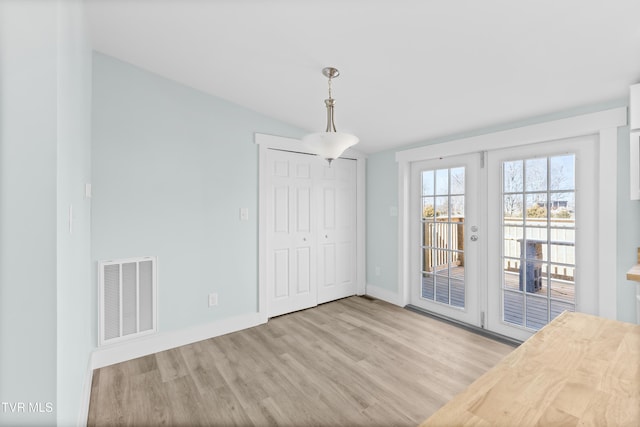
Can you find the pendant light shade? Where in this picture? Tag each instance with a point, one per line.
(329, 144)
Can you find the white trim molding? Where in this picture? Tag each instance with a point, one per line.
(586, 124)
(603, 123)
(83, 415)
(143, 346)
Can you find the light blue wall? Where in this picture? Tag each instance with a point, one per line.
(382, 221)
(76, 293)
(172, 167)
(45, 296)
(382, 193)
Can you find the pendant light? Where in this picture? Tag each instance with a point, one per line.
(329, 144)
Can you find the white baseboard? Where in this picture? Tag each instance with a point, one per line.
(121, 352)
(83, 415)
(384, 295)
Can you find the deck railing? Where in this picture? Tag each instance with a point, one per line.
(562, 249)
(446, 238)
(445, 242)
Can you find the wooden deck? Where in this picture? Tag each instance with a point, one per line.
(532, 313)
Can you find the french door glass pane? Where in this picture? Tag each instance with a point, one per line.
(443, 207)
(538, 232)
(513, 307)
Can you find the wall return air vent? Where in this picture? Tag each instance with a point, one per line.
(126, 298)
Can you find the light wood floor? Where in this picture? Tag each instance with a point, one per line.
(346, 363)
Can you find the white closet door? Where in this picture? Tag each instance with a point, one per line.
(291, 245)
(336, 189)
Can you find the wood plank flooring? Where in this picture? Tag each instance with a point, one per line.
(350, 362)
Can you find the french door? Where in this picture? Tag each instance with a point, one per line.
(446, 237)
(508, 245)
(542, 234)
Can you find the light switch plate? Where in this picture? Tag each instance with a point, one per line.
(213, 299)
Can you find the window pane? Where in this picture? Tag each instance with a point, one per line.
(511, 279)
(457, 287)
(563, 209)
(563, 253)
(513, 307)
(457, 181)
(530, 276)
(442, 289)
(427, 183)
(441, 235)
(562, 283)
(442, 181)
(428, 207)
(428, 281)
(457, 238)
(536, 312)
(562, 172)
(536, 235)
(537, 209)
(536, 174)
(427, 260)
(457, 207)
(442, 207)
(428, 230)
(512, 208)
(512, 251)
(512, 176)
(441, 261)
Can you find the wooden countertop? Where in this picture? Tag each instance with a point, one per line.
(577, 370)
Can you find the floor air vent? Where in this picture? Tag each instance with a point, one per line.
(127, 298)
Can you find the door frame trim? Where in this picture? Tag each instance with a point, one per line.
(273, 142)
(605, 124)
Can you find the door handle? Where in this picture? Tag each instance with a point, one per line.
(474, 238)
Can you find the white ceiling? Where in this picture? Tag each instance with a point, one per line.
(410, 70)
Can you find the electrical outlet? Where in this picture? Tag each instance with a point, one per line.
(213, 300)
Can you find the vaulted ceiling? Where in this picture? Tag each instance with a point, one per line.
(411, 70)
